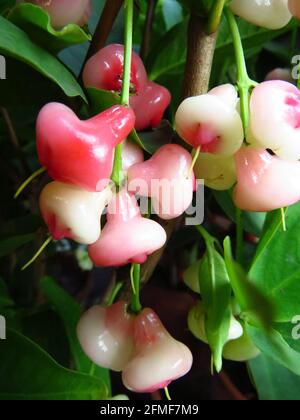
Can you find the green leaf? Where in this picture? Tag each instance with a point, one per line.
(27, 372)
(273, 345)
(256, 308)
(36, 22)
(70, 312)
(5, 299)
(273, 381)
(8, 245)
(276, 266)
(16, 43)
(216, 294)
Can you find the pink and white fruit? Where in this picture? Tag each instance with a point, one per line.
(106, 335)
(270, 14)
(127, 237)
(265, 182)
(81, 152)
(158, 358)
(275, 118)
(212, 121)
(63, 12)
(294, 7)
(218, 171)
(71, 212)
(167, 179)
(131, 155)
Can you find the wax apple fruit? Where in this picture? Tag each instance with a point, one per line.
(81, 152)
(167, 179)
(270, 14)
(212, 121)
(71, 212)
(127, 237)
(280, 74)
(241, 350)
(63, 12)
(106, 335)
(149, 100)
(294, 7)
(131, 154)
(158, 358)
(275, 118)
(265, 182)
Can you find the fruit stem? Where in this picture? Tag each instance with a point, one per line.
(135, 278)
(215, 16)
(195, 158)
(37, 254)
(168, 396)
(283, 221)
(28, 181)
(114, 293)
(117, 174)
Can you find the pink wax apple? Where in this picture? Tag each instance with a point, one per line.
(131, 155)
(74, 213)
(212, 121)
(166, 178)
(81, 152)
(158, 358)
(127, 237)
(280, 74)
(63, 12)
(149, 105)
(106, 335)
(265, 182)
(104, 70)
(294, 7)
(275, 119)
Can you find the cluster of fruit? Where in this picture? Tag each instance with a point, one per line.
(136, 345)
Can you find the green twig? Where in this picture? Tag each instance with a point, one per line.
(114, 293)
(135, 277)
(215, 16)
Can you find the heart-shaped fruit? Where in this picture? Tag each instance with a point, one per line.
(270, 14)
(71, 212)
(104, 70)
(106, 335)
(81, 152)
(131, 155)
(127, 237)
(265, 182)
(63, 12)
(241, 350)
(166, 178)
(158, 358)
(212, 121)
(275, 118)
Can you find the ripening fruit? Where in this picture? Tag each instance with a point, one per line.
(218, 171)
(191, 276)
(275, 118)
(166, 178)
(270, 14)
(71, 212)
(212, 121)
(131, 154)
(127, 237)
(294, 7)
(63, 12)
(280, 74)
(196, 324)
(265, 182)
(81, 152)
(158, 358)
(241, 350)
(106, 335)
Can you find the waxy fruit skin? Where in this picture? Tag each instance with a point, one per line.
(106, 335)
(270, 14)
(212, 121)
(149, 100)
(167, 179)
(81, 152)
(63, 12)
(104, 70)
(275, 118)
(280, 74)
(131, 154)
(265, 182)
(158, 358)
(71, 212)
(127, 237)
(241, 350)
(294, 7)
(217, 171)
